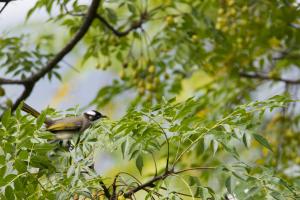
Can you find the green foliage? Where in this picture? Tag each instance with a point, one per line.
(44, 170)
(19, 59)
(193, 128)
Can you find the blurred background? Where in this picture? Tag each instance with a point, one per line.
(226, 53)
(79, 84)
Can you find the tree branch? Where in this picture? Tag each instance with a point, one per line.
(118, 33)
(151, 182)
(27, 91)
(30, 82)
(105, 189)
(114, 189)
(268, 78)
(6, 81)
(6, 3)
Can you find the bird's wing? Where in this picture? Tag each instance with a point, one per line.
(67, 124)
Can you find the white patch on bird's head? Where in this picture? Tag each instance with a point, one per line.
(93, 115)
(91, 112)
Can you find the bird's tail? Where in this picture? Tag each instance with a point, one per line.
(27, 108)
(30, 110)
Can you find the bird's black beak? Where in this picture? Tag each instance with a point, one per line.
(104, 116)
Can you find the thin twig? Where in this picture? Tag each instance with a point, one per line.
(151, 182)
(181, 193)
(114, 188)
(137, 182)
(268, 78)
(193, 169)
(154, 164)
(71, 13)
(200, 136)
(105, 189)
(132, 176)
(118, 33)
(166, 138)
(4, 6)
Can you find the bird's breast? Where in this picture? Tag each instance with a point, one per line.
(64, 135)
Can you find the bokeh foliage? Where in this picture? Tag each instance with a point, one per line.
(225, 53)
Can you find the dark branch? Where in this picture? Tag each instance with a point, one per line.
(105, 189)
(6, 3)
(151, 182)
(114, 189)
(118, 33)
(155, 165)
(27, 91)
(4, 81)
(268, 78)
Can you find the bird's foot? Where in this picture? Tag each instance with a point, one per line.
(69, 145)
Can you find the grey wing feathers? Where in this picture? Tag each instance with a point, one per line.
(66, 124)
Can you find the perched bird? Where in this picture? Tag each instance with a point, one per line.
(65, 128)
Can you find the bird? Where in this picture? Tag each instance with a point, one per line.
(66, 128)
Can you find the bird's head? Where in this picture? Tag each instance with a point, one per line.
(94, 115)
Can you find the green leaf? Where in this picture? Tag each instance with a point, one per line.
(30, 12)
(2, 91)
(85, 194)
(2, 171)
(71, 171)
(131, 8)
(44, 147)
(228, 184)
(7, 179)
(139, 163)
(20, 166)
(40, 120)
(262, 141)
(285, 184)
(5, 117)
(246, 140)
(227, 127)
(111, 15)
(252, 192)
(123, 148)
(193, 180)
(215, 145)
(207, 141)
(276, 195)
(9, 193)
